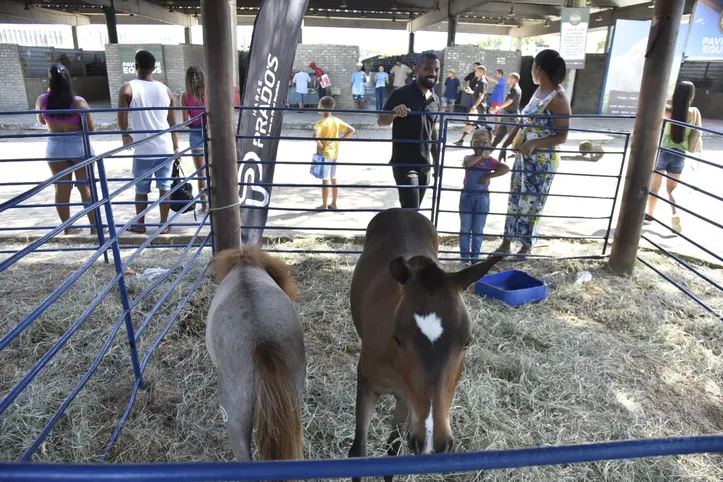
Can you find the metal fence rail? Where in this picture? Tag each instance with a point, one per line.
(699, 245)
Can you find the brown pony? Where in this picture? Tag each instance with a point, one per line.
(256, 343)
(414, 328)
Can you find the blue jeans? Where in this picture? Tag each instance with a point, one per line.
(473, 210)
(380, 92)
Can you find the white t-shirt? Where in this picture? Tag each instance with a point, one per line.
(150, 94)
(400, 74)
(302, 79)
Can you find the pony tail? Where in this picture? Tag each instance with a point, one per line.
(61, 93)
(560, 70)
(195, 83)
(277, 406)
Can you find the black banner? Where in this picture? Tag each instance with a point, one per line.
(271, 58)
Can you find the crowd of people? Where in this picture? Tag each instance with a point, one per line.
(533, 134)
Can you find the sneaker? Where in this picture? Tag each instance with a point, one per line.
(676, 224)
(459, 143)
(648, 219)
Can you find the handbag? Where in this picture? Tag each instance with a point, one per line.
(183, 193)
(317, 166)
(695, 140)
(324, 81)
(522, 132)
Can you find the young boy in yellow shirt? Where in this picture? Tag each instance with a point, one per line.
(330, 127)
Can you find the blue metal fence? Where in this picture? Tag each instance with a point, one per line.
(105, 196)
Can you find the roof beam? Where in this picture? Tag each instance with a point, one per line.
(522, 11)
(353, 23)
(16, 13)
(447, 8)
(148, 10)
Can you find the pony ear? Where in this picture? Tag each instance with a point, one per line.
(473, 274)
(400, 270)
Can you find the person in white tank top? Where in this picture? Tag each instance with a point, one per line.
(154, 153)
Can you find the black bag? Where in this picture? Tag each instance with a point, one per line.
(183, 193)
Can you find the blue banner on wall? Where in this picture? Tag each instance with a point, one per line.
(705, 40)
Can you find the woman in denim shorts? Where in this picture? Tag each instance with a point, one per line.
(677, 139)
(195, 96)
(65, 149)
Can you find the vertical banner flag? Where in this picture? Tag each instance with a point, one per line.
(705, 39)
(573, 36)
(271, 58)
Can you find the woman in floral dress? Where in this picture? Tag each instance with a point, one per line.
(538, 156)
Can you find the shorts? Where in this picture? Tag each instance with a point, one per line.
(671, 162)
(142, 166)
(301, 97)
(66, 148)
(358, 97)
(448, 102)
(328, 170)
(195, 139)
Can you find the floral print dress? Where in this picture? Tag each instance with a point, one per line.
(532, 174)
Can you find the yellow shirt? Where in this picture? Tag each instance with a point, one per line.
(330, 127)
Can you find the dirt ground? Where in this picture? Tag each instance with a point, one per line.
(610, 359)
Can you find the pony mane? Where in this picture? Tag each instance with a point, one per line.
(253, 256)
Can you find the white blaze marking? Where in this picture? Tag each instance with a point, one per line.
(429, 424)
(430, 325)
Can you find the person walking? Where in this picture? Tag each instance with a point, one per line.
(678, 140)
(358, 85)
(479, 106)
(140, 93)
(195, 96)
(63, 152)
(400, 73)
(412, 161)
(301, 82)
(511, 105)
(538, 157)
(381, 80)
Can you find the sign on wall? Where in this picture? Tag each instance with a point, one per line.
(705, 39)
(625, 66)
(573, 36)
(128, 60)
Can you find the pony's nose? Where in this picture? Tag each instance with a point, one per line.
(416, 444)
(443, 445)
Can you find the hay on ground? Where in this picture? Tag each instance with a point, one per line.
(615, 358)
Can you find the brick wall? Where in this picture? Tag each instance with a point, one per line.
(12, 89)
(91, 88)
(338, 61)
(589, 84)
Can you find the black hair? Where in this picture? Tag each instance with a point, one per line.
(195, 82)
(477, 64)
(327, 102)
(501, 72)
(550, 62)
(682, 97)
(61, 93)
(145, 60)
(426, 56)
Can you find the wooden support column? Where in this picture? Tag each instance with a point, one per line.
(220, 51)
(646, 133)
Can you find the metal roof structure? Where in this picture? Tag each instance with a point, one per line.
(525, 18)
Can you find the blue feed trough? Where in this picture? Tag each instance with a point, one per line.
(513, 287)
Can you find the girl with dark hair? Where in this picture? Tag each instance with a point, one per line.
(65, 151)
(537, 157)
(678, 139)
(195, 96)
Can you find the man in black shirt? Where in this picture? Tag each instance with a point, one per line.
(479, 106)
(412, 160)
(511, 105)
(471, 81)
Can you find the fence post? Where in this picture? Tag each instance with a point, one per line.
(219, 50)
(439, 171)
(615, 198)
(128, 318)
(651, 104)
(93, 187)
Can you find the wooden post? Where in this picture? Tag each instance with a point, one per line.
(219, 50)
(646, 133)
(451, 30)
